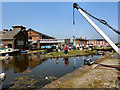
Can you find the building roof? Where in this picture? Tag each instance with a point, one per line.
(8, 34)
(18, 26)
(118, 43)
(40, 33)
(97, 39)
(80, 39)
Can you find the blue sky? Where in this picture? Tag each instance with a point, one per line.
(56, 18)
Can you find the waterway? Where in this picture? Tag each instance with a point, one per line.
(31, 71)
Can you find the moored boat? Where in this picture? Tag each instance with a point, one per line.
(10, 51)
(24, 51)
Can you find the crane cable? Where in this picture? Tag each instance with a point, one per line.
(100, 20)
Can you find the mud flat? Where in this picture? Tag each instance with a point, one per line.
(92, 76)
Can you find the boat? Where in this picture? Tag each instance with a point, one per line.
(88, 61)
(2, 76)
(101, 53)
(10, 51)
(23, 51)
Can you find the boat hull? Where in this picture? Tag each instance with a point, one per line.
(10, 53)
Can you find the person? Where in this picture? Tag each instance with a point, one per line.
(59, 48)
(77, 47)
(56, 48)
(62, 47)
(65, 49)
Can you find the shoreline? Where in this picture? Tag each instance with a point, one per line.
(49, 56)
(71, 53)
(64, 81)
(67, 56)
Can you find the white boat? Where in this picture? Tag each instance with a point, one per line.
(9, 51)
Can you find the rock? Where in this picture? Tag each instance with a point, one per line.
(46, 78)
(26, 71)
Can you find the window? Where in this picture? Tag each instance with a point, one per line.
(20, 42)
(30, 37)
(9, 45)
(1, 44)
(100, 42)
(30, 33)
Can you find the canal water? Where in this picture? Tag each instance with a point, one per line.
(31, 71)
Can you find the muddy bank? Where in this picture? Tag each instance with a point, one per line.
(90, 76)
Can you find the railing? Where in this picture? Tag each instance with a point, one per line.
(52, 40)
(31, 40)
(48, 41)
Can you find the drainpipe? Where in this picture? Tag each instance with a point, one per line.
(13, 43)
(38, 43)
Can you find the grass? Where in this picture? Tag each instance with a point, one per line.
(103, 47)
(38, 51)
(71, 52)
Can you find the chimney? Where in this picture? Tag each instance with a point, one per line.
(18, 27)
(10, 30)
(5, 30)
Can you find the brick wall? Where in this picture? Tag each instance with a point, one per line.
(6, 43)
(34, 36)
(67, 41)
(82, 42)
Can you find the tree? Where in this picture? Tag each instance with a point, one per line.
(80, 37)
(74, 37)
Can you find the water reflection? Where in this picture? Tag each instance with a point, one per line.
(91, 55)
(20, 63)
(56, 60)
(74, 63)
(35, 65)
(66, 61)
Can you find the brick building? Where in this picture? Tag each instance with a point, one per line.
(37, 39)
(97, 42)
(34, 38)
(34, 35)
(79, 42)
(16, 38)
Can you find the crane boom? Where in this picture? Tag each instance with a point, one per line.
(97, 29)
